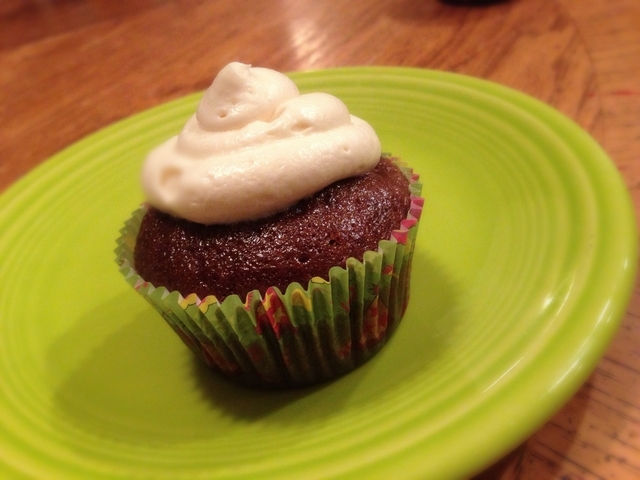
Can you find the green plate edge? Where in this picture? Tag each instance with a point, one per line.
(572, 367)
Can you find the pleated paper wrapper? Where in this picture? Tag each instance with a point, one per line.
(304, 335)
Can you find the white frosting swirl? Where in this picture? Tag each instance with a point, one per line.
(255, 147)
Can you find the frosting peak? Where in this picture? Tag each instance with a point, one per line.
(241, 95)
(254, 147)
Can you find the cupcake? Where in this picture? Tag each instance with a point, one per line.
(276, 239)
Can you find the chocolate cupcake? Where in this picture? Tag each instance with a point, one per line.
(276, 240)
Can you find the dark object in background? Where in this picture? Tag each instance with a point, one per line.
(471, 3)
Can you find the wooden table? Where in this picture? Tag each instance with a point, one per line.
(68, 68)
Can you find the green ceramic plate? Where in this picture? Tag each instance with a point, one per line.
(525, 262)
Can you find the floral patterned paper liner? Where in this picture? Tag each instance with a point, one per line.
(302, 336)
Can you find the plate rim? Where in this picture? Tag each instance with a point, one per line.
(21, 186)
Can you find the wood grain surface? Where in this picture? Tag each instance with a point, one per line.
(71, 67)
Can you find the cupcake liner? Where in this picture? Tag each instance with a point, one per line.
(301, 336)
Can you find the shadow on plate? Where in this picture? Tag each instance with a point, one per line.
(420, 339)
(125, 375)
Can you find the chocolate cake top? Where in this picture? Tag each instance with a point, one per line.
(343, 220)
